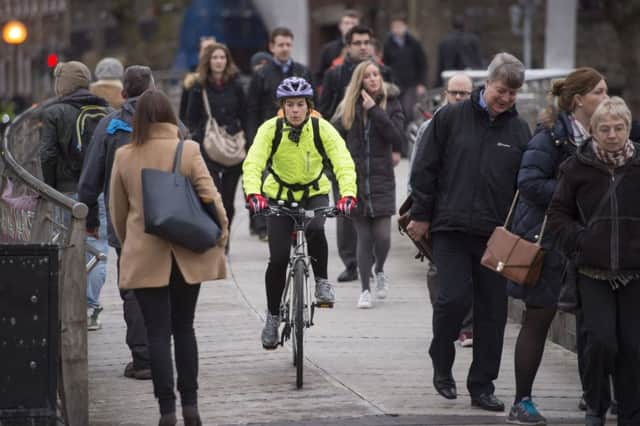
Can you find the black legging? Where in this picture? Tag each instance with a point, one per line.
(279, 230)
(170, 310)
(374, 239)
(226, 180)
(530, 347)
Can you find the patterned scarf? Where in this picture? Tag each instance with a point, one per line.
(614, 158)
(580, 133)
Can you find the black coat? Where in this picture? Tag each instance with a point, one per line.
(537, 180)
(228, 107)
(58, 124)
(370, 145)
(261, 100)
(328, 53)
(336, 81)
(408, 62)
(612, 242)
(464, 173)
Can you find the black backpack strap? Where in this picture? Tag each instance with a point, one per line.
(277, 137)
(317, 140)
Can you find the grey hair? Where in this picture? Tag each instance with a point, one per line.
(508, 69)
(614, 107)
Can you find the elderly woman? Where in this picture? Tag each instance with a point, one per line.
(595, 216)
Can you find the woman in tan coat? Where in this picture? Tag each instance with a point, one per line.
(165, 277)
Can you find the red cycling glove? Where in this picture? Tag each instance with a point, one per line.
(257, 202)
(346, 204)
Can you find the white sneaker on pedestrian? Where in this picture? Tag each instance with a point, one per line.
(382, 285)
(364, 302)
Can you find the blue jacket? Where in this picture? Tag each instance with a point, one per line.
(537, 180)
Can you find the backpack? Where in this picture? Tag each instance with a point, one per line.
(326, 163)
(85, 124)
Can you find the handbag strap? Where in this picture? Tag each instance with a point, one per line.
(205, 101)
(513, 205)
(178, 158)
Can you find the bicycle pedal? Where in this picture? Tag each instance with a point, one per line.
(326, 305)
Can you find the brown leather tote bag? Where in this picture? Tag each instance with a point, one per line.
(512, 256)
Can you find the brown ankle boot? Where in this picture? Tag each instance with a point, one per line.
(168, 420)
(191, 416)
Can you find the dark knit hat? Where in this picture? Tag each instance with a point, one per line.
(71, 76)
(109, 69)
(259, 57)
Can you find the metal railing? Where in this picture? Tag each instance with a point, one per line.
(33, 212)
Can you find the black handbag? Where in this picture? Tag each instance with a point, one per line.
(174, 212)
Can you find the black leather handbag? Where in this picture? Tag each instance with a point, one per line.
(174, 212)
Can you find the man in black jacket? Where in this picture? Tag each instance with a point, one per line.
(462, 183)
(336, 80)
(408, 61)
(459, 50)
(349, 19)
(112, 132)
(261, 99)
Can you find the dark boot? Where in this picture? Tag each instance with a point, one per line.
(191, 416)
(168, 419)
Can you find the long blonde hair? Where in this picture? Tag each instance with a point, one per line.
(346, 111)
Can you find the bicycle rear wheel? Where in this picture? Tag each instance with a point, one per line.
(298, 319)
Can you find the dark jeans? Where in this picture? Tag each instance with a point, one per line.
(610, 327)
(346, 236)
(170, 310)
(226, 180)
(279, 229)
(136, 331)
(433, 284)
(466, 281)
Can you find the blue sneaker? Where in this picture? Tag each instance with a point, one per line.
(525, 413)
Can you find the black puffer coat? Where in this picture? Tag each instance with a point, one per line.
(370, 145)
(612, 242)
(537, 180)
(228, 107)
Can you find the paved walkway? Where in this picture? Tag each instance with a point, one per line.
(363, 367)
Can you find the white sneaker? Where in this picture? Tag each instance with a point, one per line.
(382, 285)
(364, 302)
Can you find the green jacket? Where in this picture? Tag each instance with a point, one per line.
(299, 163)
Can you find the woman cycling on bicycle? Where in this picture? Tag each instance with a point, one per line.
(293, 151)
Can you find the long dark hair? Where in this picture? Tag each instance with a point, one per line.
(153, 106)
(204, 65)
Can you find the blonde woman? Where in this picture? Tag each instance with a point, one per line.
(372, 119)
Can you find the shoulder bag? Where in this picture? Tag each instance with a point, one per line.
(512, 256)
(173, 210)
(424, 244)
(220, 146)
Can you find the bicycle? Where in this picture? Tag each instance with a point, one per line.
(297, 309)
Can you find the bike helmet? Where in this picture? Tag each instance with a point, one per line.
(294, 87)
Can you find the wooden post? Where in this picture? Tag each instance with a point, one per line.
(74, 365)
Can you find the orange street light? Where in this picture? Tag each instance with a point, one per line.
(14, 32)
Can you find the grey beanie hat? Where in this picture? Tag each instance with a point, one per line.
(109, 69)
(258, 57)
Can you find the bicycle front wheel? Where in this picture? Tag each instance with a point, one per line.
(298, 319)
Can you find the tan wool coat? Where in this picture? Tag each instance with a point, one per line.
(145, 260)
(110, 91)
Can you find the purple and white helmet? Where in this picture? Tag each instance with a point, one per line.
(294, 87)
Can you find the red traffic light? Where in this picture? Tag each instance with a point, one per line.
(52, 60)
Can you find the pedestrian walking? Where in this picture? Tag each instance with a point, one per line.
(406, 57)
(218, 85)
(572, 103)
(67, 127)
(335, 82)
(108, 84)
(461, 192)
(459, 88)
(113, 132)
(191, 78)
(372, 118)
(459, 50)
(336, 48)
(165, 277)
(596, 220)
(296, 174)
